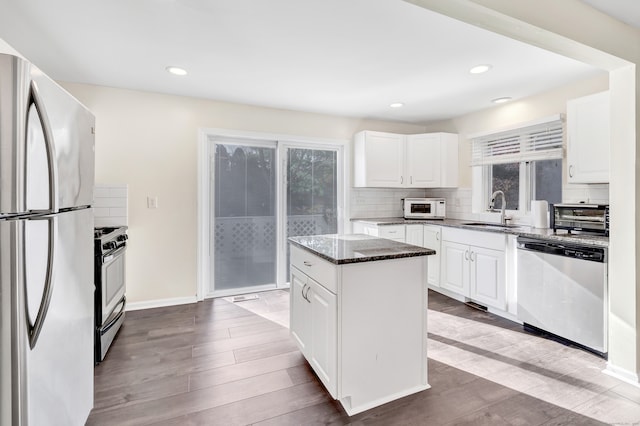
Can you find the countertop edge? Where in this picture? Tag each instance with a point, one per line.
(524, 230)
(351, 260)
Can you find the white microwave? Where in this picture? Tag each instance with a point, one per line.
(424, 208)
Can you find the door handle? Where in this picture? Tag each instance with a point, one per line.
(471, 256)
(34, 98)
(571, 170)
(34, 329)
(306, 295)
(401, 179)
(466, 255)
(437, 236)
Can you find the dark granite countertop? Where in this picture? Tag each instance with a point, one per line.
(356, 248)
(523, 230)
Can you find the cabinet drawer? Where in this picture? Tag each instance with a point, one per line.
(491, 240)
(325, 273)
(392, 232)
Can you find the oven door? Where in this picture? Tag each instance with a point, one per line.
(113, 281)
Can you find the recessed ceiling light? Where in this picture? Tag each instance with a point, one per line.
(501, 100)
(479, 69)
(397, 105)
(176, 70)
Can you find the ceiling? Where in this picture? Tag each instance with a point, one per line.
(627, 11)
(341, 57)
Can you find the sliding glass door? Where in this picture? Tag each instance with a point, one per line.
(311, 193)
(262, 192)
(244, 217)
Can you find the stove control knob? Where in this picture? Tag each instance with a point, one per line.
(110, 245)
(123, 237)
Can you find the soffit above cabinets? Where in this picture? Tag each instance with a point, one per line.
(341, 57)
(627, 11)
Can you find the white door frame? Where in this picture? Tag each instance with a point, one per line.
(206, 141)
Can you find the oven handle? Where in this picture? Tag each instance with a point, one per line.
(113, 255)
(113, 319)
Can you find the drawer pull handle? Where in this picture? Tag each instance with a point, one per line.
(307, 263)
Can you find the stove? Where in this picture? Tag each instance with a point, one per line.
(110, 244)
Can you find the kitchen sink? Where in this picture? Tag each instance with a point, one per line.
(491, 225)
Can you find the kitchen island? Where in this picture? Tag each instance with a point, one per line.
(359, 316)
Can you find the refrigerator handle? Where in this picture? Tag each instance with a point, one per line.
(35, 328)
(34, 94)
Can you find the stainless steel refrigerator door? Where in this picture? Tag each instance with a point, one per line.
(12, 354)
(46, 143)
(72, 127)
(60, 365)
(47, 377)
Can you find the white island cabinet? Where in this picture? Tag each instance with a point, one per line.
(358, 315)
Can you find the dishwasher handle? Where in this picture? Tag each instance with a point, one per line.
(594, 254)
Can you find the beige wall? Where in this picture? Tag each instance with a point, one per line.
(149, 141)
(512, 113)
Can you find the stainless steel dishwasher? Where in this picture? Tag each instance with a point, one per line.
(562, 290)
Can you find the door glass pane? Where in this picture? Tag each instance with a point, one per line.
(312, 200)
(244, 205)
(506, 178)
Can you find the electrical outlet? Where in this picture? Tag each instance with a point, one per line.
(152, 202)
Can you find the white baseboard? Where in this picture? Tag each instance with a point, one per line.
(622, 374)
(159, 303)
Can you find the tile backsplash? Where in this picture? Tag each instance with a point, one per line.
(110, 204)
(380, 202)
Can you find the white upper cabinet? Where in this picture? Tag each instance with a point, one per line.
(588, 139)
(390, 160)
(432, 160)
(378, 159)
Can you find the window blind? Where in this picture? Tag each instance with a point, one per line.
(542, 141)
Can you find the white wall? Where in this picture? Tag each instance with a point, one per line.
(149, 141)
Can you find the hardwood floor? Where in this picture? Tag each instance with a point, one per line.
(223, 363)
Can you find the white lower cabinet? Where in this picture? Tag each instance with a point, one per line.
(361, 328)
(431, 238)
(414, 234)
(473, 265)
(313, 326)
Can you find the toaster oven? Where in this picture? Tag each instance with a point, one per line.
(580, 217)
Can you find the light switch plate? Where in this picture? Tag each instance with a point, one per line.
(152, 202)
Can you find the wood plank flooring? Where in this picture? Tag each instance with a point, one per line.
(223, 363)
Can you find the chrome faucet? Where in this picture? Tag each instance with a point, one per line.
(503, 219)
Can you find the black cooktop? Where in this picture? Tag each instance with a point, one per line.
(105, 231)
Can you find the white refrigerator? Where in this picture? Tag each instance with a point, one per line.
(46, 250)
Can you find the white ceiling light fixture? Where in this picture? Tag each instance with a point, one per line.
(479, 69)
(176, 70)
(501, 100)
(396, 105)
